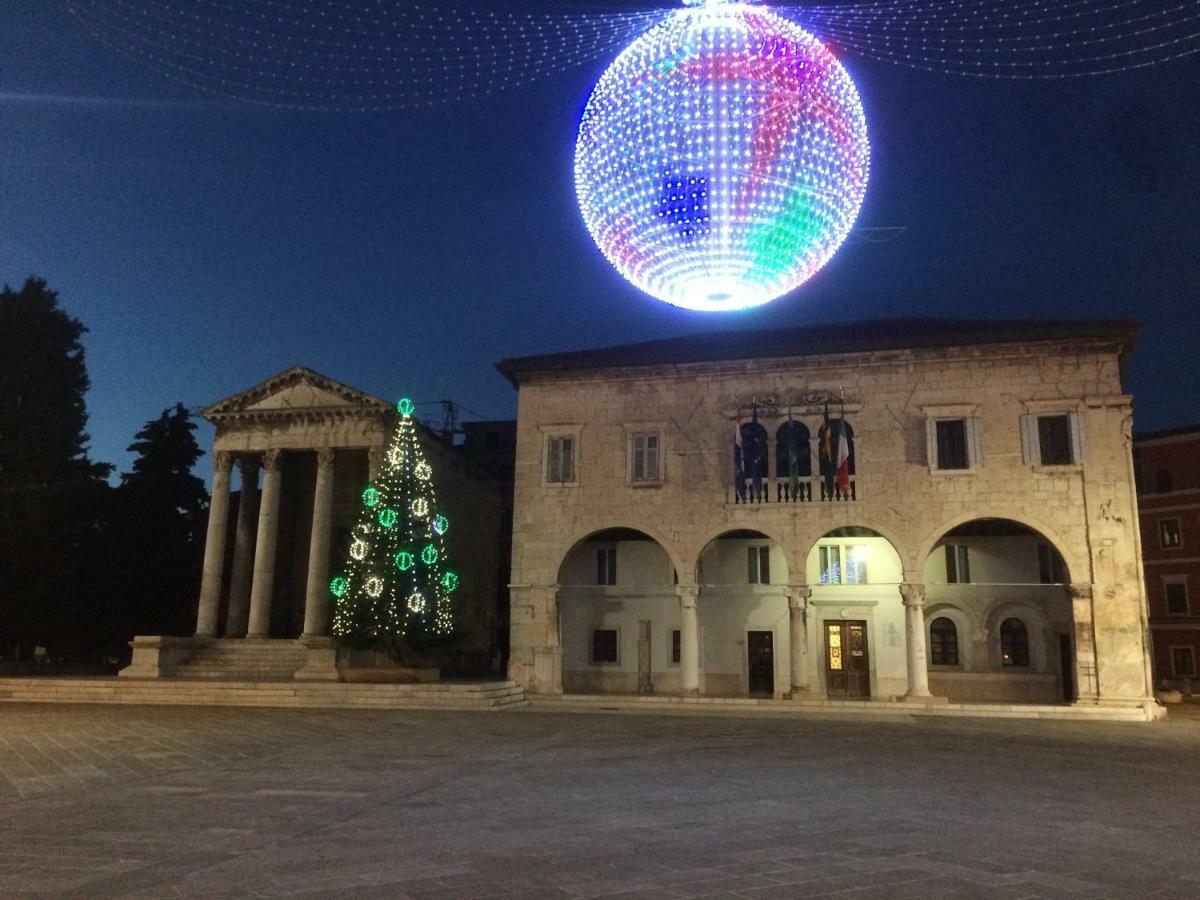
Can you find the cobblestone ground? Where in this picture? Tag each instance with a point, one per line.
(238, 802)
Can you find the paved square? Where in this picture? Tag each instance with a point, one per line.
(243, 802)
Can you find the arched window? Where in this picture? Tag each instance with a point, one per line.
(754, 450)
(789, 435)
(827, 451)
(943, 642)
(1014, 643)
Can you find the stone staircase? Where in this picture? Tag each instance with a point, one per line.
(242, 660)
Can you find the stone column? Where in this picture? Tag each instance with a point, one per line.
(214, 547)
(914, 627)
(1087, 686)
(689, 639)
(798, 595)
(243, 550)
(374, 462)
(263, 586)
(316, 600)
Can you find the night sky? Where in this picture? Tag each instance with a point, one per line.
(208, 245)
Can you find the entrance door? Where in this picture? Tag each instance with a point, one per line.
(847, 660)
(761, 649)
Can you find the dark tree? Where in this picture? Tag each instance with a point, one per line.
(53, 498)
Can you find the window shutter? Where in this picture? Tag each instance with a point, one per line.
(976, 441)
(1029, 441)
(1079, 443)
(931, 442)
(568, 459)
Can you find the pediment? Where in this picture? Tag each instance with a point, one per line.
(298, 391)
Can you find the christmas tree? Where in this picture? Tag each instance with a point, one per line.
(394, 591)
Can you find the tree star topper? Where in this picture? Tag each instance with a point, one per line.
(722, 158)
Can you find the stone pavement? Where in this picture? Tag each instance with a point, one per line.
(138, 801)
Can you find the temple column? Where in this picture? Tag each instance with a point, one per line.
(914, 627)
(243, 550)
(1087, 686)
(263, 586)
(689, 639)
(798, 595)
(316, 601)
(214, 547)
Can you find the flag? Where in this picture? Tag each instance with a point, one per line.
(843, 456)
(739, 471)
(754, 465)
(827, 454)
(793, 452)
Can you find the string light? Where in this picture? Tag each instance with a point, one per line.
(722, 159)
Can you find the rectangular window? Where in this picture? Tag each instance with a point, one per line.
(606, 565)
(604, 645)
(1177, 598)
(855, 571)
(560, 459)
(1183, 662)
(958, 564)
(952, 444)
(1051, 568)
(675, 644)
(831, 565)
(1169, 534)
(1054, 440)
(759, 564)
(644, 457)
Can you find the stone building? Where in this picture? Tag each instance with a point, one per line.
(304, 446)
(1168, 468)
(982, 545)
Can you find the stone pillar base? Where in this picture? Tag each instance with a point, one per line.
(155, 656)
(320, 660)
(923, 699)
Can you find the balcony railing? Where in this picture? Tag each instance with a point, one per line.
(779, 490)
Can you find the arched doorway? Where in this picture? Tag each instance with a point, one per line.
(855, 617)
(618, 615)
(743, 615)
(998, 615)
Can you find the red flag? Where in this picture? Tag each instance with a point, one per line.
(843, 460)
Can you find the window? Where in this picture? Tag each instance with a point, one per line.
(943, 642)
(958, 564)
(560, 459)
(1051, 568)
(1169, 534)
(754, 450)
(606, 565)
(1014, 644)
(1054, 440)
(644, 458)
(1177, 597)
(1162, 481)
(604, 645)
(792, 439)
(952, 444)
(675, 645)
(843, 565)
(1183, 662)
(759, 564)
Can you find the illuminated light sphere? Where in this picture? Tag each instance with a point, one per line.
(441, 525)
(423, 471)
(387, 517)
(405, 407)
(395, 455)
(722, 158)
(339, 586)
(429, 555)
(420, 507)
(404, 560)
(358, 549)
(374, 586)
(450, 581)
(416, 602)
(370, 497)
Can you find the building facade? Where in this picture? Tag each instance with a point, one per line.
(1168, 469)
(981, 543)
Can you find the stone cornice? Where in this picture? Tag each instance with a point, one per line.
(236, 407)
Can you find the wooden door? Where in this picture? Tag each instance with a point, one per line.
(761, 649)
(847, 660)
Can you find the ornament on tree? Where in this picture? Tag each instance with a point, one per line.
(396, 583)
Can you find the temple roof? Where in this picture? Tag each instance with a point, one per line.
(296, 390)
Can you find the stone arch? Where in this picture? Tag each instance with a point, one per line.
(564, 550)
(1044, 531)
(885, 533)
(769, 533)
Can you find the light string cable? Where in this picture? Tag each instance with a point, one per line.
(1017, 39)
(344, 55)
